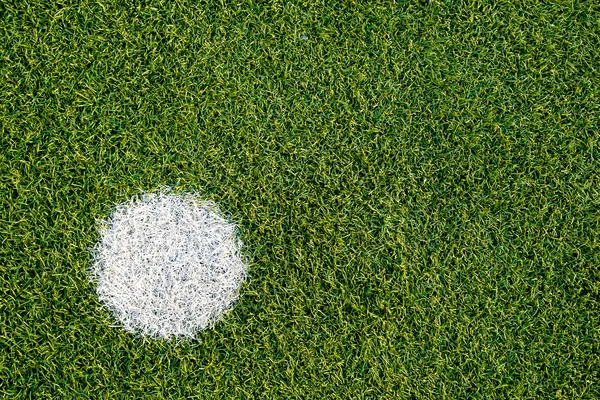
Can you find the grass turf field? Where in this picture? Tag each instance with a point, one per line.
(417, 185)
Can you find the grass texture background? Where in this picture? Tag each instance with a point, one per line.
(417, 185)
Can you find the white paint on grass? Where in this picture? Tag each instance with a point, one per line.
(167, 265)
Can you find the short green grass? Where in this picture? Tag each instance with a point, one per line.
(417, 185)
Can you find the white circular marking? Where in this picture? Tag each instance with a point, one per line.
(167, 265)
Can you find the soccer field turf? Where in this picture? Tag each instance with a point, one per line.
(417, 186)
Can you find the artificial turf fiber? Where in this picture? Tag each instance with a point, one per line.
(417, 185)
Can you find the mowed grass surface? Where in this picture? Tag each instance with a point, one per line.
(417, 186)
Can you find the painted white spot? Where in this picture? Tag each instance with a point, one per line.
(167, 265)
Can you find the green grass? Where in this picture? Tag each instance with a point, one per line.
(417, 185)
